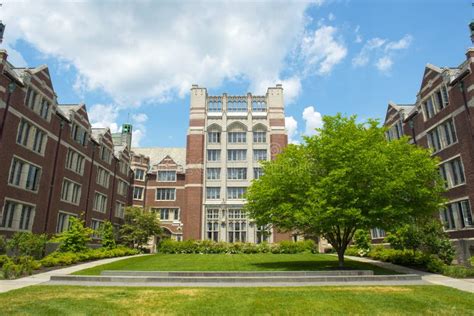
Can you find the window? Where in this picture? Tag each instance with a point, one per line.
(213, 173)
(237, 173)
(17, 216)
(263, 234)
(8, 214)
(377, 233)
(214, 137)
(103, 177)
(137, 193)
(167, 214)
(75, 161)
(139, 174)
(437, 101)
(30, 137)
(236, 154)
(259, 154)
(71, 192)
(257, 173)
(167, 176)
(31, 98)
(235, 193)
(167, 194)
(23, 133)
(176, 215)
(457, 215)
(214, 105)
(119, 209)
(106, 154)
(63, 223)
(213, 193)
(237, 226)
(44, 110)
(79, 134)
(212, 224)
(96, 225)
(259, 137)
(237, 105)
(237, 137)
(452, 172)
(164, 214)
(100, 203)
(24, 175)
(259, 106)
(395, 131)
(442, 136)
(213, 155)
(123, 167)
(122, 187)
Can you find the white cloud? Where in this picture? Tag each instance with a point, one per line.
(291, 88)
(140, 117)
(322, 50)
(358, 38)
(331, 17)
(153, 51)
(291, 126)
(384, 64)
(104, 116)
(381, 50)
(313, 120)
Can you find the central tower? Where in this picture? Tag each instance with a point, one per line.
(228, 138)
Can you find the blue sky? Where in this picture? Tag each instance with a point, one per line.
(136, 61)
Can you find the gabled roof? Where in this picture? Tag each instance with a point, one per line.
(157, 154)
(403, 109)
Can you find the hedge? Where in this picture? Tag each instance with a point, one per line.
(24, 265)
(426, 262)
(211, 247)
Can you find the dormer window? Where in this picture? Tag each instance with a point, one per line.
(167, 176)
(437, 101)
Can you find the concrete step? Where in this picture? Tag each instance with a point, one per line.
(235, 273)
(233, 279)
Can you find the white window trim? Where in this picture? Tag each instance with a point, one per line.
(32, 220)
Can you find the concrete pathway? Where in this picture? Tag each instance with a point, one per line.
(8, 285)
(460, 284)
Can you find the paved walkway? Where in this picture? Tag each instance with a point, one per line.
(460, 284)
(8, 285)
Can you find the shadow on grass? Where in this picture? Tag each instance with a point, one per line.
(323, 265)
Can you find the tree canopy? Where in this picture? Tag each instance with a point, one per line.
(344, 178)
(139, 226)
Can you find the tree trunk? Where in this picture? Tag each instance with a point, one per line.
(340, 256)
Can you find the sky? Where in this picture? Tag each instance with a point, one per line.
(135, 61)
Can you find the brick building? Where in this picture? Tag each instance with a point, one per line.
(198, 190)
(441, 119)
(55, 165)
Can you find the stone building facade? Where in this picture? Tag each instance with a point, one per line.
(55, 165)
(442, 120)
(228, 137)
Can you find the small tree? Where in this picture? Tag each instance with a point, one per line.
(27, 244)
(107, 235)
(344, 178)
(362, 241)
(76, 237)
(139, 226)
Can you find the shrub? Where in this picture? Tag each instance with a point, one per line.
(27, 244)
(362, 242)
(210, 247)
(76, 237)
(3, 245)
(458, 271)
(4, 259)
(107, 235)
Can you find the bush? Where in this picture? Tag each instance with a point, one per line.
(362, 242)
(18, 266)
(107, 235)
(3, 245)
(76, 237)
(27, 244)
(211, 247)
(458, 271)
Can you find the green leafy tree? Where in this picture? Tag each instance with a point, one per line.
(139, 226)
(27, 244)
(75, 239)
(362, 241)
(107, 235)
(344, 178)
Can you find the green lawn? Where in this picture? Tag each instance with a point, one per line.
(343, 300)
(237, 262)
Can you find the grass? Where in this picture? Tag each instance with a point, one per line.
(364, 300)
(236, 262)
